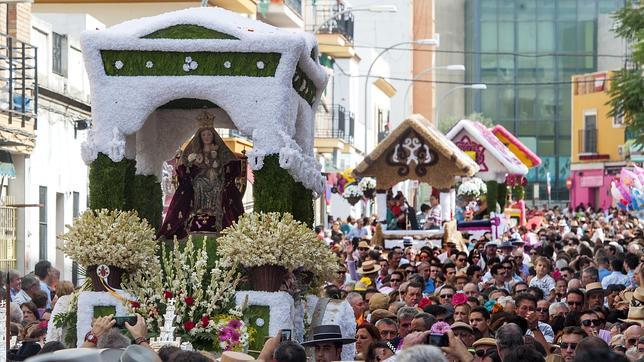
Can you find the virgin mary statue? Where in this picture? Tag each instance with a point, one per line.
(207, 199)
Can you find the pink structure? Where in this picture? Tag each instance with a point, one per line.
(591, 187)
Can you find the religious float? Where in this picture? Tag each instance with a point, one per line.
(416, 150)
(493, 207)
(162, 87)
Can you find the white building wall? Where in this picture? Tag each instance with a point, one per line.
(55, 162)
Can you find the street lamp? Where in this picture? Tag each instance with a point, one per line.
(429, 41)
(371, 9)
(451, 67)
(479, 86)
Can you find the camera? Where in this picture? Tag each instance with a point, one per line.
(438, 340)
(286, 335)
(120, 321)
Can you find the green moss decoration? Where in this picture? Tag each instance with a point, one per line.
(273, 188)
(189, 103)
(492, 191)
(139, 63)
(109, 183)
(252, 313)
(502, 195)
(304, 86)
(188, 31)
(518, 193)
(102, 311)
(303, 204)
(113, 185)
(146, 199)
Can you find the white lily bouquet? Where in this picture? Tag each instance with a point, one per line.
(472, 188)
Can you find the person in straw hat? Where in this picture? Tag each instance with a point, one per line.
(328, 342)
(370, 270)
(594, 295)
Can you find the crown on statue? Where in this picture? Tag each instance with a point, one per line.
(205, 119)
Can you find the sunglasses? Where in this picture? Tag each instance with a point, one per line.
(575, 303)
(446, 295)
(363, 249)
(481, 352)
(395, 280)
(461, 260)
(409, 271)
(588, 322)
(542, 310)
(565, 345)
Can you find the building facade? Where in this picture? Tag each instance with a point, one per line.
(601, 147)
(526, 51)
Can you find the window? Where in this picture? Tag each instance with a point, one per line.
(590, 133)
(59, 54)
(42, 223)
(618, 121)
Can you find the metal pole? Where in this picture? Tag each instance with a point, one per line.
(35, 110)
(23, 110)
(10, 50)
(366, 88)
(8, 317)
(437, 113)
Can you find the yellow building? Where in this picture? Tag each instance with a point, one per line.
(599, 141)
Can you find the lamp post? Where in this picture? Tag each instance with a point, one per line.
(371, 9)
(480, 86)
(452, 67)
(435, 42)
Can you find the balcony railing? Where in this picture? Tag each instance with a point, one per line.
(295, 5)
(588, 140)
(18, 80)
(340, 24)
(338, 124)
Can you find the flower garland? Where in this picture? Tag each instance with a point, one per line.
(112, 237)
(352, 190)
(367, 183)
(472, 188)
(204, 298)
(258, 239)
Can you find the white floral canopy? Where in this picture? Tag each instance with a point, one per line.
(265, 82)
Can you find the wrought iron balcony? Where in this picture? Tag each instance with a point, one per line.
(295, 5)
(18, 80)
(338, 24)
(337, 124)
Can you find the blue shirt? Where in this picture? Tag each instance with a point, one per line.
(45, 288)
(603, 272)
(429, 287)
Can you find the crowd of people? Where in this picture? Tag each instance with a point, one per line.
(569, 289)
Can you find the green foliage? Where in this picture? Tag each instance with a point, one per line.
(188, 31)
(102, 311)
(275, 190)
(146, 198)
(492, 194)
(113, 185)
(502, 195)
(518, 192)
(447, 123)
(109, 183)
(627, 85)
(251, 314)
(67, 322)
(171, 63)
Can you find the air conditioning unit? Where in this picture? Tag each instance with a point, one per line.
(621, 150)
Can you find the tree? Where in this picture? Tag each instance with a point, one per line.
(627, 89)
(447, 123)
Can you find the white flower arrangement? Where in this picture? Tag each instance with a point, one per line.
(472, 188)
(112, 237)
(258, 239)
(367, 183)
(352, 190)
(204, 297)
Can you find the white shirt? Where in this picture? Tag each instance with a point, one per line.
(546, 330)
(546, 284)
(615, 278)
(21, 297)
(358, 233)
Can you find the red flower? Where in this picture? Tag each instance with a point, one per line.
(424, 302)
(189, 300)
(188, 325)
(459, 299)
(205, 320)
(167, 294)
(134, 304)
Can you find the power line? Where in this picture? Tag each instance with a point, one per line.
(526, 55)
(515, 84)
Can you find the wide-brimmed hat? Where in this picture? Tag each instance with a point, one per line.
(231, 356)
(562, 222)
(379, 314)
(363, 244)
(368, 267)
(506, 245)
(635, 315)
(460, 275)
(328, 333)
(484, 342)
(594, 287)
(378, 301)
(461, 325)
(491, 243)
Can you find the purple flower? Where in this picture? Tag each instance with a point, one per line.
(235, 337)
(234, 323)
(225, 334)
